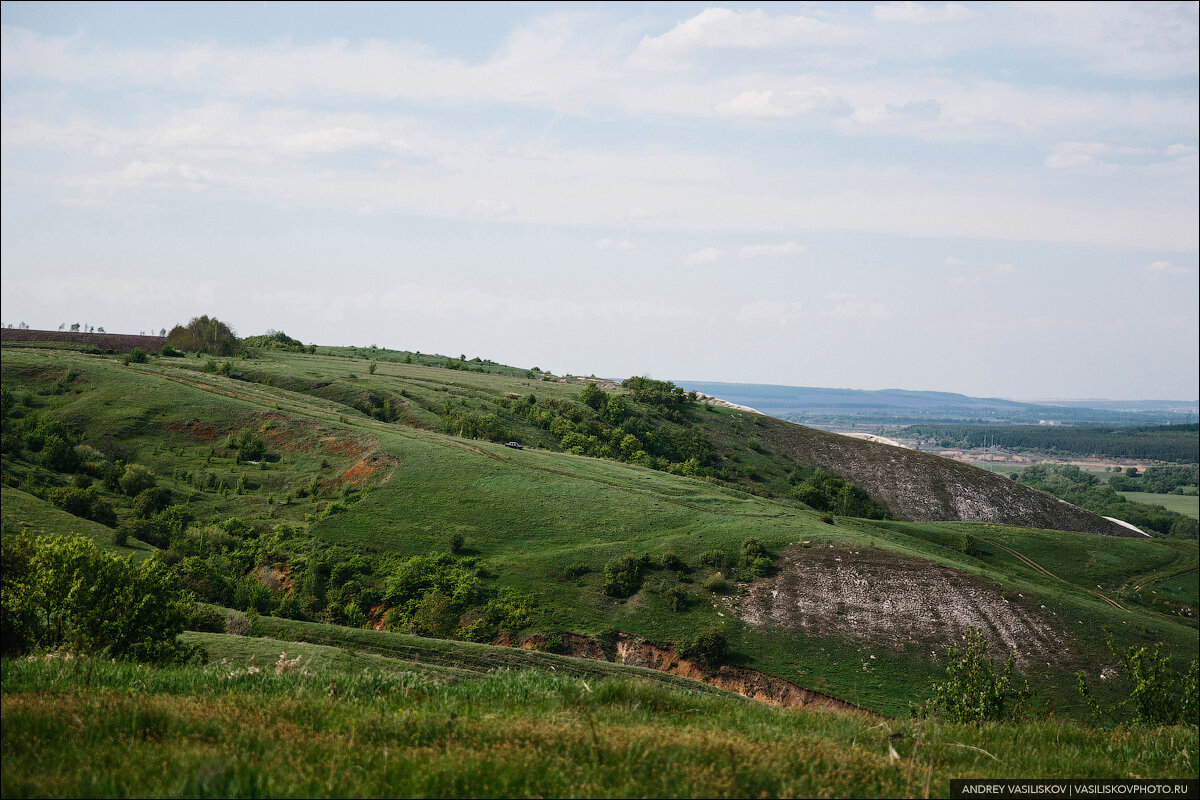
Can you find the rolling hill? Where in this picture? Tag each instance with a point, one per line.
(315, 482)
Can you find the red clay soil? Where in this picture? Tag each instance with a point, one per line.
(120, 342)
(367, 470)
(201, 430)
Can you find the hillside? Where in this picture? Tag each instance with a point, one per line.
(924, 487)
(317, 487)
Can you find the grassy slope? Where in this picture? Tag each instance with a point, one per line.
(341, 726)
(531, 513)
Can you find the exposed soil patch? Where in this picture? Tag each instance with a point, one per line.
(639, 652)
(343, 447)
(196, 428)
(375, 468)
(890, 600)
(275, 578)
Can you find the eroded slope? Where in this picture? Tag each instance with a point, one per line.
(927, 488)
(888, 600)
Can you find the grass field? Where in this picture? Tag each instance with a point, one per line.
(355, 726)
(1180, 504)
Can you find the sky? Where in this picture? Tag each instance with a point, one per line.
(994, 199)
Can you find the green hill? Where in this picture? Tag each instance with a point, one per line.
(330, 487)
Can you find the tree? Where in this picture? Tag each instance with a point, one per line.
(65, 591)
(594, 396)
(205, 334)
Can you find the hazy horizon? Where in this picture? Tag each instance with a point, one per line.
(991, 200)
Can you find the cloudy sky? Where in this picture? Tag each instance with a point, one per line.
(993, 199)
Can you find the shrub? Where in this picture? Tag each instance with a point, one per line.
(677, 597)
(827, 519)
(709, 647)
(974, 689)
(85, 503)
(622, 576)
(136, 356)
(206, 618)
(170, 352)
(65, 591)
(456, 543)
(669, 560)
(717, 584)
(136, 479)
(575, 571)
(1158, 695)
(714, 558)
(969, 545)
(151, 501)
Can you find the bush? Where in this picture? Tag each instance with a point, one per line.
(136, 479)
(709, 647)
(85, 503)
(677, 597)
(1158, 695)
(575, 571)
(206, 618)
(456, 543)
(669, 560)
(136, 356)
(151, 501)
(65, 591)
(974, 690)
(717, 584)
(714, 558)
(622, 576)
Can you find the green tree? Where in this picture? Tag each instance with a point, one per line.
(205, 334)
(65, 591)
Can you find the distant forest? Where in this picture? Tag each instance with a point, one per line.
(1176, 443)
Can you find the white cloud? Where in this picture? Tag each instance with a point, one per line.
(857, 311)
(332, 140)
(1132, 39)
(771, 103)
(723, 28)
(918, 12)
(778, 312)
(838, 296)
(1181, 150)
(612, 244)
(706, 256)
(953, 262)
(785, 249)
(489, 209)
(1166, 268)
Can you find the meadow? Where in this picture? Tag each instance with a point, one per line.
(331, 724)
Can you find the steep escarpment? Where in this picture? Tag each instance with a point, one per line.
(927, 488)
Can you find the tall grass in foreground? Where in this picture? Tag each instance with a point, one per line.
(92, 728)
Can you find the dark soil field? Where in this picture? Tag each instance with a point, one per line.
(118, 342)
